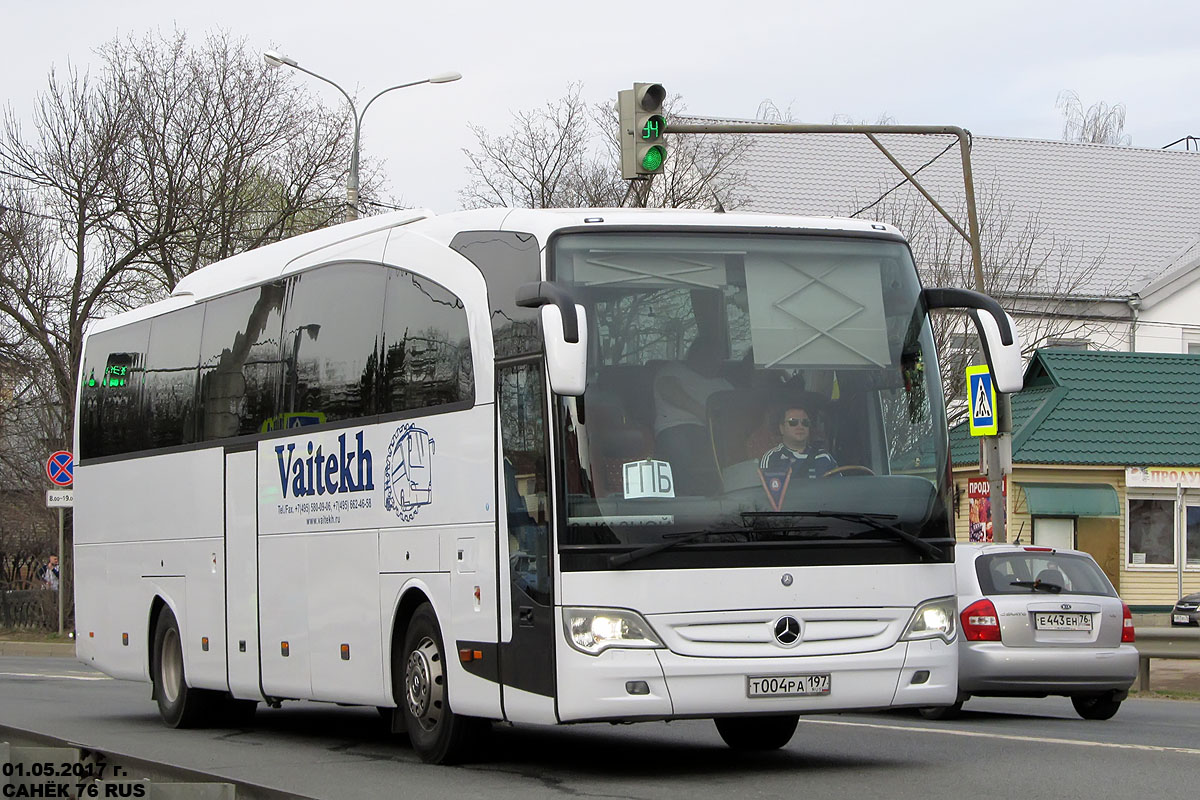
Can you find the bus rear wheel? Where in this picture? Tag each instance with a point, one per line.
(757, 733)
(438, 735)
(179, 705)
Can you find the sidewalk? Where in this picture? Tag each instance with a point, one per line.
(38, 649)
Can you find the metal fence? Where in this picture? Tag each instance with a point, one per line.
(23, 608)
(1164, 643)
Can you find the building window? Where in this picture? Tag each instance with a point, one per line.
(1151, 532)
(1068, 344)
(1192, 540)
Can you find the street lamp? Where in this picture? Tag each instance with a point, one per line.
(274, 60)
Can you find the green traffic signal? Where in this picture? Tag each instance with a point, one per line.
(653, 158)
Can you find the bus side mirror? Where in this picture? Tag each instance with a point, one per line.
(564, 331)
(566, 361)
(1004, 359)
(997, 331)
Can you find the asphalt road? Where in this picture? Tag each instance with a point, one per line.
(999, 748)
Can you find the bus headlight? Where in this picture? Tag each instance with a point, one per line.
(594, 630)
(933, 619)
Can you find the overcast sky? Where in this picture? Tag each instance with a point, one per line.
(993, 68)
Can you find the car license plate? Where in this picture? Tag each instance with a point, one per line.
(786, 685)
(1181, 618)
(1063, 622)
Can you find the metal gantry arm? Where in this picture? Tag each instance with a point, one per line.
(870, 131)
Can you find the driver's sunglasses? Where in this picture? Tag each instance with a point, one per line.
(794, 421)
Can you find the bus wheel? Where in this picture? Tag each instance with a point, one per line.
(179, 705)
(757, 733)
(438, 735)
(941, 712)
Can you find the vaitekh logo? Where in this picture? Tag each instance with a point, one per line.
(409, 471)
(314, 472)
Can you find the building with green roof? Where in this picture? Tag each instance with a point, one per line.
(1106, 458)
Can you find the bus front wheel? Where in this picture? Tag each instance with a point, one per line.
(180, 705)
(757, 733)
(438, 735)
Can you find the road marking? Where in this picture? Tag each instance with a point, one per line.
(1010, 737)
(69, 677)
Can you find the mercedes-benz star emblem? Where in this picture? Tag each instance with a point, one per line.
(787, 631)
(786, 580)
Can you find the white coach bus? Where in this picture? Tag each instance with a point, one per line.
(527, 466)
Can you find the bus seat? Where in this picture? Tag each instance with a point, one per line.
(738, 425)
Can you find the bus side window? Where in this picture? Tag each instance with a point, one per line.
(112, 418)
(240, 368)
(169, 389)
(426, 346)
(332, 326)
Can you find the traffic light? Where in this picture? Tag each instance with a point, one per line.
(642, 125)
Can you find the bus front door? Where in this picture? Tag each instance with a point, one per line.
(527, 632)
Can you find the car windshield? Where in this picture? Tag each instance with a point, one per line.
(757, 388)
(1033, 572)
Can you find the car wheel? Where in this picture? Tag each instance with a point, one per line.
(1095, 706)
(941, 712)
(438, 735)
(757, 733)
(179, 705)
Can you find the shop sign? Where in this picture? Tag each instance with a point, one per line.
(979, 505)
(1162, 477)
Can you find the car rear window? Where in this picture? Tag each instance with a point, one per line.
(1038, 573)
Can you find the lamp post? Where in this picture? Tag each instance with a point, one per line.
(274, 60)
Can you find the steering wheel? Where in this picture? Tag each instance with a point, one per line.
(848, 469)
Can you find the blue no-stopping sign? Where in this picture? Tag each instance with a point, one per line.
(59, 468)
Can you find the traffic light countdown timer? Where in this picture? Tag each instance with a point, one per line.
(642, 124)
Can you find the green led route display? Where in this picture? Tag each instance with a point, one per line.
(115, 374)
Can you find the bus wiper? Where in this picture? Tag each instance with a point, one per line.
(679, 538)
(870, 520)
(1038, 586)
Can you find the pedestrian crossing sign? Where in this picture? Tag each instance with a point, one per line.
(981, 395)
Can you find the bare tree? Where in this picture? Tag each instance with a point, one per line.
(1099, 123)
(1036, 275)
(171, 156)
(567, 155)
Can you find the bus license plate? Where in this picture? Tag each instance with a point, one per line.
(786, 685)
(1063, 622)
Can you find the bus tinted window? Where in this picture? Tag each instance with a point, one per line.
(331, 339)
(240, 363)
(507, 260)
(169, 388)
(111, 418)
(426, 344)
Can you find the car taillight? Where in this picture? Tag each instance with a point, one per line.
(1126, 624)
(1039, 549)
(980, 623)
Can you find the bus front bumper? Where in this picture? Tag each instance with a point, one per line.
(659, 684)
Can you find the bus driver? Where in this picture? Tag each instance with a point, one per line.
(797, 451)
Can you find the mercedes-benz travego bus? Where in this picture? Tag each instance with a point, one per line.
(529, 466)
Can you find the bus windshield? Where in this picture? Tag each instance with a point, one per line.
(748, 389)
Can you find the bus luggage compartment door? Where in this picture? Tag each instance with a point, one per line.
(241, 574)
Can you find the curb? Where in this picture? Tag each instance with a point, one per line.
(38, 649)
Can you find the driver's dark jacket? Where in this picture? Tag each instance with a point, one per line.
(810, 463)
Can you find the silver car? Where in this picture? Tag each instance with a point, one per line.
(1036, 621)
